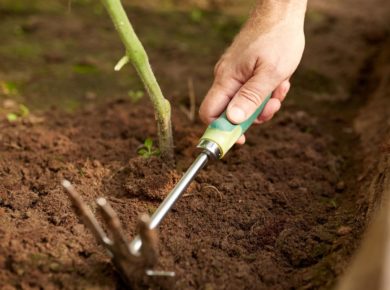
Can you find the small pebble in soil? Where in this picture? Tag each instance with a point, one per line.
(294, 183)
(54, 165)
(344, 230)
(54, 220)
(303, 190)
(54, 267)
(208, 286)
(9, 104)
(26, 215)
(18, 271)
(90, 96)
(340, 186)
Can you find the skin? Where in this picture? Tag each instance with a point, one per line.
(261, 60)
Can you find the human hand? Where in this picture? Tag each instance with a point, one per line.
(261, 60)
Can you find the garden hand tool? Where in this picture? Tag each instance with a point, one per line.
(218, 139)
(136, 259)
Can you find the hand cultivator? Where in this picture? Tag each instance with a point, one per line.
(136, 259)
(131, 266)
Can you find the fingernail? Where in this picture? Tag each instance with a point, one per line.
(236, 114)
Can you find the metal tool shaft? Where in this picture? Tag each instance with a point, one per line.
(171, 198)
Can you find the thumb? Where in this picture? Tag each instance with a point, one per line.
(249, 97)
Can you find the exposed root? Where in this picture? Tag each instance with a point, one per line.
(208, 186)
(215, 190)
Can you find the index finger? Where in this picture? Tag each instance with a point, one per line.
(217, 99)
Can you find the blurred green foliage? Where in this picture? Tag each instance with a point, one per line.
(85, 68)
(21, 113)
(9, 88)
(135, 95)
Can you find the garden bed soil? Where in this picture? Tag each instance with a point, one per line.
(272, 215)
(282, 212)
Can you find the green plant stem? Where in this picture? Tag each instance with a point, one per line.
(139, 59)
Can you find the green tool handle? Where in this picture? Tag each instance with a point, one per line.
(225, 134)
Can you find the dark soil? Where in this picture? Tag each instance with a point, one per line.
(268, 216)
(281, 212)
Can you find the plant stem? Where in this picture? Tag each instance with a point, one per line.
(138, 57)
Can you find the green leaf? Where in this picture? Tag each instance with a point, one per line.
(24, 111)
(148, 143)
(143, 152)
(147, 150)
(11, 117)
(135, 96)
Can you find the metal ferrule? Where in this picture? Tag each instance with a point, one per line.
(210, 148)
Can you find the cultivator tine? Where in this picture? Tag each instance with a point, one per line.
(148, 252)
(131, 268)
(120, 245)
(86, 214)
(149, 241)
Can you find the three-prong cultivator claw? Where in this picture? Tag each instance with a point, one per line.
(132, 266)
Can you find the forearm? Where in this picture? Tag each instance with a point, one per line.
(268, 13)
(279, 8)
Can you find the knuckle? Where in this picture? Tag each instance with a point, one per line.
(277, 71)
(219, 68)
(251, 96)
(223, 66)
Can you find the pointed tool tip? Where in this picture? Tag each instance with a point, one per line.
(101, 201)
(66, 183)
(145, 218)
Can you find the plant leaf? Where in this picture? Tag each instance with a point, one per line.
(142, 151)
(24, 111)
(135, 96)
(148, 143)
(156, 152)
(11, 117)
